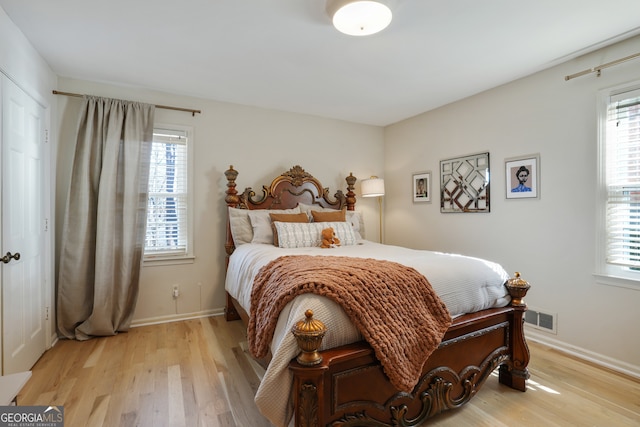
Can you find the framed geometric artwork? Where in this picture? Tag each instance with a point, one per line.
(522, 176)
(422, 187)
(464, 184)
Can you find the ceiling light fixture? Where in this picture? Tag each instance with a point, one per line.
(359, 17)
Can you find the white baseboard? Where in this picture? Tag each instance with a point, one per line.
(590, 356)
(176, 317)
(54, 340)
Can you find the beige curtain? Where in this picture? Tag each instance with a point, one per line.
(104, 224)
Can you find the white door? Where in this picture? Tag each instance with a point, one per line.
(23, 279)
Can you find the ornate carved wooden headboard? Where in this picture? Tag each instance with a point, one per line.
(285, 192)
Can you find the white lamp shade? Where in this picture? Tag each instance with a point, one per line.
(372, 187)
(359, 17)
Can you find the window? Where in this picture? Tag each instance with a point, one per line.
(169, 208)
(619, 176)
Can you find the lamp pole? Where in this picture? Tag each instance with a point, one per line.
(374, 187)
(380, 215)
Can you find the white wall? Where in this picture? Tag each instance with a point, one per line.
(551, 241)
(259, 144)
(26, 68)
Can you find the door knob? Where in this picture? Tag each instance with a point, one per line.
(7, 258)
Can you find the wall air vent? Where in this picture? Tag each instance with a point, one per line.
(542, 320)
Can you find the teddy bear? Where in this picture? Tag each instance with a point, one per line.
(329, 239)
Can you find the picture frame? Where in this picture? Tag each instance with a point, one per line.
(522, 177)
(464, 184)
(422, 187)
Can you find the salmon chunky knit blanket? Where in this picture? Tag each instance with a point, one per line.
(393, 306)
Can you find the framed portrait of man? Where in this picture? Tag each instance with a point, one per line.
(522, 177)
(422, 187)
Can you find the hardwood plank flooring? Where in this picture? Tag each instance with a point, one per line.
(195, 373)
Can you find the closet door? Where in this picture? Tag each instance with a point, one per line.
(23, 278)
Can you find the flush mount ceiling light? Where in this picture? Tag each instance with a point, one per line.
(359, 17)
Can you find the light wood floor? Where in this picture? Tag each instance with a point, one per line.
(193, 373)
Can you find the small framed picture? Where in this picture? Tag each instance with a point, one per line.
(522, 176)
(422, 187)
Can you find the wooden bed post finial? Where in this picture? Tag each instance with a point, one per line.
(351, 195)
(517, 288)
(309, 333)
(231, 198)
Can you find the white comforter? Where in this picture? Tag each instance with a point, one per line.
(464, 284)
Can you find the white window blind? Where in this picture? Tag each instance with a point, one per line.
(622, 174)
(168, 203)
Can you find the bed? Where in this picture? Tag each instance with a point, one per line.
(341, 380)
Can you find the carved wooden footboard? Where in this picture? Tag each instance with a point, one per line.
(347, 387)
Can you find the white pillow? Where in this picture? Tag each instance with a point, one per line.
(306, 235)
(308, 208)
(354, 217)
(241, 230)
(261, 224)
(357, 222)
